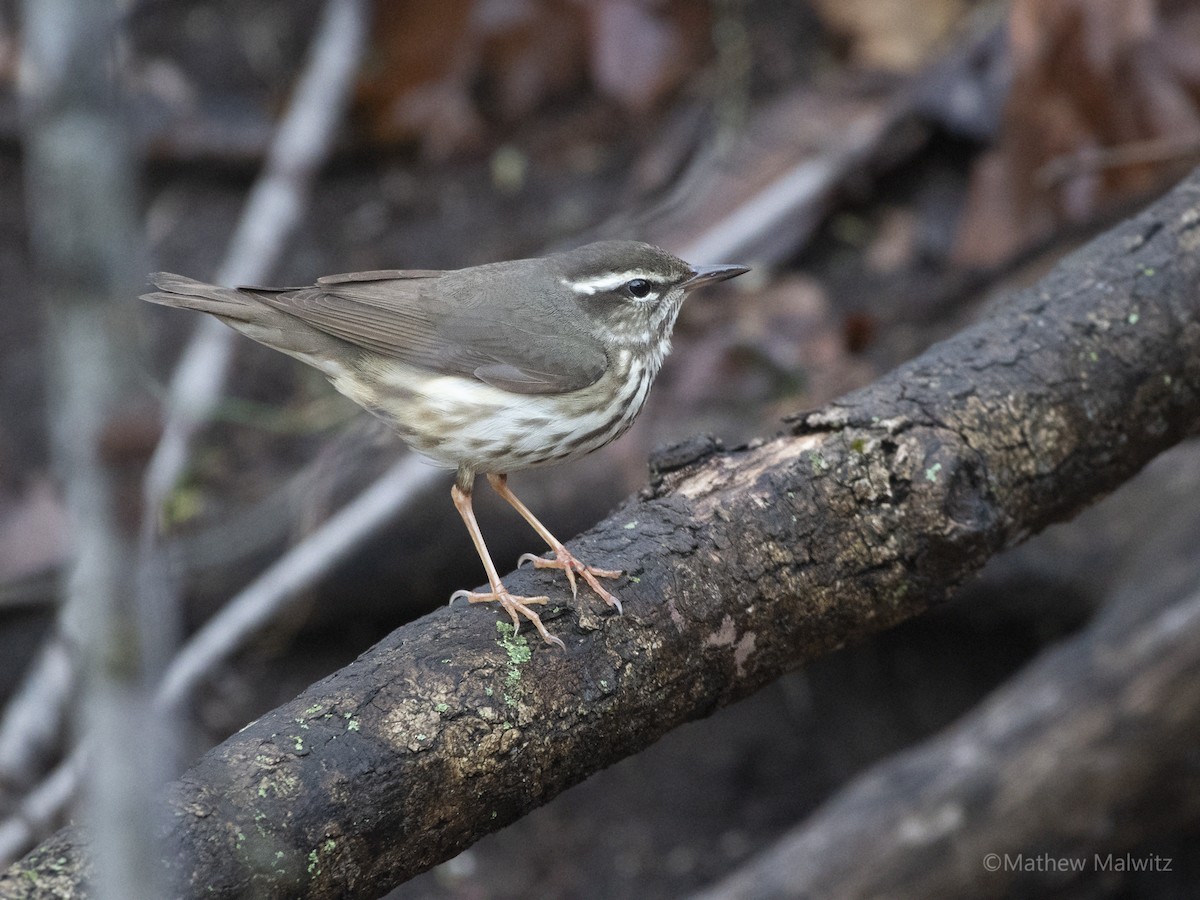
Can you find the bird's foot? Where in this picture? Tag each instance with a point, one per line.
(515, 607)
(565, 560)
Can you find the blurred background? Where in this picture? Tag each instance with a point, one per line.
(889, 168)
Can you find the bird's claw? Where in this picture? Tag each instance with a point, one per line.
(515, 607)
(565, 560)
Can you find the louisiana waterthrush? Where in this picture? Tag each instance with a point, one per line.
(489, 369)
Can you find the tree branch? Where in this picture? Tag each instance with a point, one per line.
(1085, 755)
(742, 565)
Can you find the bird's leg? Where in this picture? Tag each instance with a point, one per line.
(563, 558)
(514, 605)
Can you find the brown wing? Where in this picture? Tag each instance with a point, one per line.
(407, 316)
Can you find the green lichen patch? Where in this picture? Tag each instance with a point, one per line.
(517, 648)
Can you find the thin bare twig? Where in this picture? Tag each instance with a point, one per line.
(1090, 160)
(301, 145)
(300, 148)
(264, 598)
(30, 726)
(42, 807)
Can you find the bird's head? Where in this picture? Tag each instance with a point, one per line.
(631, 292)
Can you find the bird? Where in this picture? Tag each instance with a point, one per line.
(489, 369)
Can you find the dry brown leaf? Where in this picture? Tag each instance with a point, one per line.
(34, 530)
(538, 52)
(416, 85)
(1103, 107)
(443, 69)
(641, 50)
(894, 35)
(894, 244)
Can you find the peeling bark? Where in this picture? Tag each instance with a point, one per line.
(1084, 757)
(742, 565)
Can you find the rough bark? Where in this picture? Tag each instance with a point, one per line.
(742, 564)
(1070, 772)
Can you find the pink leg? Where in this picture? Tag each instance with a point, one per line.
(563, 558)
(514, 605)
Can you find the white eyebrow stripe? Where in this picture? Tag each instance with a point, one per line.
(609, 282)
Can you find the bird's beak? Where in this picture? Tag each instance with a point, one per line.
(710, 274)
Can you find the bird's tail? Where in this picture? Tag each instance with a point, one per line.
(246, 310)
(187, 293)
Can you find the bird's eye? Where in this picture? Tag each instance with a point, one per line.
(638, 288)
